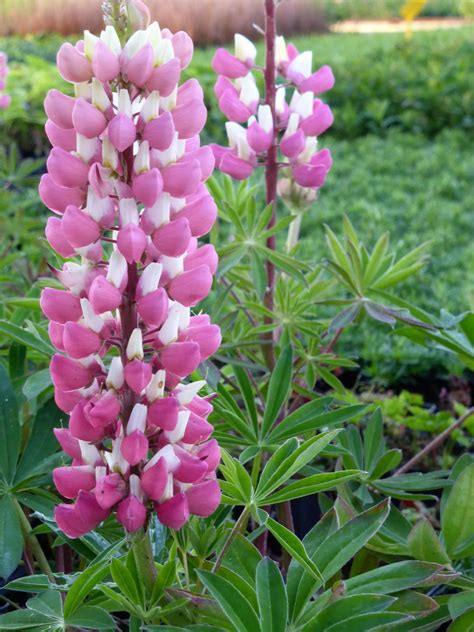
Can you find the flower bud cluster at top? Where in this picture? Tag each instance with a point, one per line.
(5, 99)
(293, 124)
(126, 185)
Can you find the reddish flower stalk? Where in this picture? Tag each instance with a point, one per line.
(271, 167)
(126, 181)
(280, 136)
(5, 99)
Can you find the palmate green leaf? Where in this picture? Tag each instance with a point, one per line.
(24, 620)
(457, 519)
(431, 622)
(91, 618)
(248, 395)
(394, 577)
(292, 267)
(232, 602)
(373, 441)
(199, 627)
(40, 446)
(81, 588)
(372, 621)
(460, 603)
(387, 462)
(11, 538)
(291, 543)
(288, 460)
(48, 603)
(337, 549)
(464, 623)
(37, 383)
(278, 389)
(376, 259)
(346, 317)
(306, 419)
(242, 557)
(247, 588)
(310, 485)
(344, 610)
(425, 545)
(271, 595)
(318, 534)
(9, 428)
(300, 416)
(415, 603)
(17, 333)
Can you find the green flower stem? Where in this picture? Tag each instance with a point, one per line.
(33, 543)
(237, 528)
(143, 555)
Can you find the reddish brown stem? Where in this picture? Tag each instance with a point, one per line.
(271, 166)
(432, 445)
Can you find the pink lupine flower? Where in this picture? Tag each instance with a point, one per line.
(294, 126)
(5, 99)
(126, 181)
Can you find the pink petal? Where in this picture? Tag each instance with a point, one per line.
(174, 512)
(66, 169)
(159, 132)
(70, 480)
(181, 358)
(56, 197)
(164, 413)
(68, 375)
(122, 132)
(226, 64)
(59, 137)
(60, 305)
(79, 228)
(79, 341)
(59, 107)
(73, 66)
(105, 63)
(182, 179)
(88, 120)
(204, 498)
(134, 447)
(131, 513)
(147, 187)
(153, 480)
(172, 239)
(165, 78)
(191, 287)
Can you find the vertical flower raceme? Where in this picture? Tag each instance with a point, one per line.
(293, 124)
(4, 98)
(126, 186)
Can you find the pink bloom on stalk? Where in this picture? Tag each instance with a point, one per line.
(5, 99)
(126, 182)
(238, 65)
(293, 126)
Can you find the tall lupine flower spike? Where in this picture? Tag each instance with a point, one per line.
(5, 99)
(126, 185)
(295, 126)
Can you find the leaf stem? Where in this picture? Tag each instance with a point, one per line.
(143, 555)
(432, 445)
(238, 526)
(33, 543)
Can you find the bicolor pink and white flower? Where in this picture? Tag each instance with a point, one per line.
(5, 99)
(126, 185)
(293, 125)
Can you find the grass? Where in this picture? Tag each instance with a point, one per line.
(419, 190)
